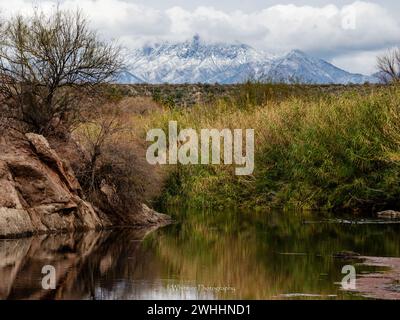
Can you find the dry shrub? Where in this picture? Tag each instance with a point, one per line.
(138, 106)
(115, 175)
(124, 167)
(49, 63)
(123, 181)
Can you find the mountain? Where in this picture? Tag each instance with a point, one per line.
(197, 62)
(127, 77)
(296, 66)
(383, 77)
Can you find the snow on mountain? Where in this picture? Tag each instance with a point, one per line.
(197, 62)
(296, 66)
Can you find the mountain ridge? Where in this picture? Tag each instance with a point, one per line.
(194, 61)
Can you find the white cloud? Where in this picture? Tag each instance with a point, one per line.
(364, 62)
(344, 34)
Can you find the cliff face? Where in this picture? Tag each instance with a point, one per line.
(39, 192)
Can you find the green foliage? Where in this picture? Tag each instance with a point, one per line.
(328, 151)
(163, 99)
(113, 93)
(258, 93)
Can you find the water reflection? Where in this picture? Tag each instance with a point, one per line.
(208, 255)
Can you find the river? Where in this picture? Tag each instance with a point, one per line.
(203, 255)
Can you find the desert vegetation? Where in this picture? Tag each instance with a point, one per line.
(329, 150)
(49, 66)
(389, 66)
(55, 76)
(115, 157)
(317, 147)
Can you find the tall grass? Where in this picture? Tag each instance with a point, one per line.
(331, 151)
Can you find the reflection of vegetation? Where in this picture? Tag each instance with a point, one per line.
(263, 256)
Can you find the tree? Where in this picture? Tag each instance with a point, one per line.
(389, 66)
(50, 65)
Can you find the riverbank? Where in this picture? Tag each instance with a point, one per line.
(329, 151)
(39, 193)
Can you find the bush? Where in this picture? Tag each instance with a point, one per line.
(332, 152)
(115, 175)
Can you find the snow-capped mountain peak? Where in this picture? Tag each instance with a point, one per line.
(195, 61)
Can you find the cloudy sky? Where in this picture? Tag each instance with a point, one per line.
(349, 34)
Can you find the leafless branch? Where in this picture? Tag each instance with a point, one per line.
(389, 66)
(50, 64)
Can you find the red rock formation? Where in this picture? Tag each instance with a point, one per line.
(39, 192)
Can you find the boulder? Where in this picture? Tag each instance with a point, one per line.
(39, 192)
(148, 216)
(143, 215)
(389, 214)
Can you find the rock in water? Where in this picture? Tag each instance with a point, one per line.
(389, 214)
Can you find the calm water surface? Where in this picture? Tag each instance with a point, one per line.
(204, 255)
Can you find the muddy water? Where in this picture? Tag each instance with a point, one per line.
(209, 255)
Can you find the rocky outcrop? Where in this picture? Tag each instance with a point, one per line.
(39, 192)
(389, 214)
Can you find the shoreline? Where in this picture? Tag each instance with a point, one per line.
(382, 285)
